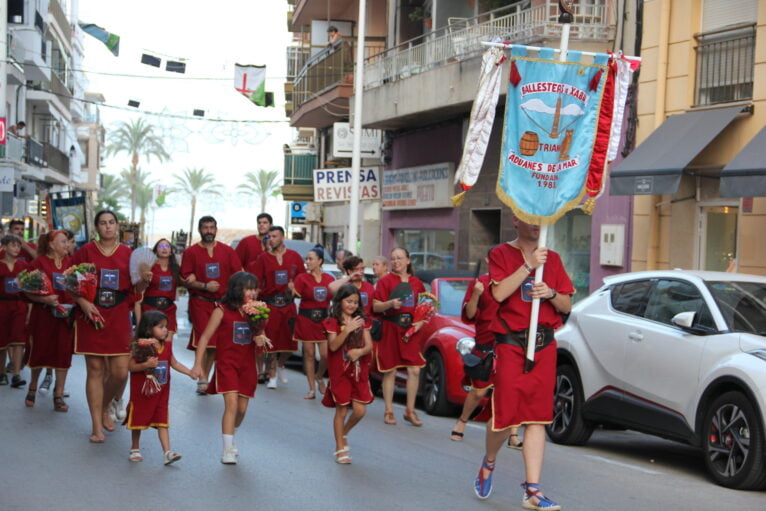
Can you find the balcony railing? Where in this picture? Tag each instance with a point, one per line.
(329, 68)
(299, 169)
(58, 14)
(296, 59)
(56, 158)
(14, 147)
(35, 155)
(725, 65)
(462, 38)
(16, 50)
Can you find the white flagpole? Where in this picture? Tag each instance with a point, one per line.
(356, 158)
(532, 334)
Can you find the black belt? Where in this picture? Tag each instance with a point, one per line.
(10, 299)
(158, 302)
(403, 320)
(108, 298)
(279, 300)
(206, 298)
(543, 338)
(315, 315)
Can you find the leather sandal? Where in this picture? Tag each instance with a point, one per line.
(59, 405)
(135, 455)
(457, 436)
(202, 388)
(342, 457)
(514, 445)
(388, 418)
(29, 401)
(412, 418)
(311, 395)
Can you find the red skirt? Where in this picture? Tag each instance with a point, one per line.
(308, 331)
(345, 387)
(279, 330)
(112, 340)
(235, 371)
(51, 340)
(13, 316)
(147, 411)
(391, 352)
(170, 312)
(520, 398)
(200, 311)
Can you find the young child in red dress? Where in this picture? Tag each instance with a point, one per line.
(146, 411)
(236, 375)
(349, 343)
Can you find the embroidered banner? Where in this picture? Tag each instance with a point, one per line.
(551, 120)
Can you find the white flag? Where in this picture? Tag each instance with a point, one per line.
(250, 81)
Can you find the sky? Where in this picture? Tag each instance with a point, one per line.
(211, 37)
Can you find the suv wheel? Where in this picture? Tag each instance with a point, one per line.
(434, 384)
(734, 443)
(568, 426)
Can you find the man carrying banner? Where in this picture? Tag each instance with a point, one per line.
(523, 398)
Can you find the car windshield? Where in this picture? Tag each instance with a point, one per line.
(742, 304)
(451, 293)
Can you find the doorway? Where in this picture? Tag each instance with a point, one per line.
(718, 243)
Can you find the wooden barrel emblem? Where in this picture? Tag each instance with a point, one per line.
(529, 143)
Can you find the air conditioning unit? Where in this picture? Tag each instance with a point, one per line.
(25, 189)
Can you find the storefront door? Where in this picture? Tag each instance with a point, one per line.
(718, 243)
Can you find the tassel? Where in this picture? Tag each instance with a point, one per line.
(457, 200)
(589, 206)
(596, 79)
(515, 77)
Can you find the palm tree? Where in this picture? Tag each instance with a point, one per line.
(109, 194)
(136, 138)
(264, 184)
(144, 196)
(195, 183)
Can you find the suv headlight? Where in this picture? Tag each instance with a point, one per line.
(759, 353)
(465, 345)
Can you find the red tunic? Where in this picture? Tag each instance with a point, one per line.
(348, 381)
(222, 265)
(524, 398)
(249, 249)
(113, 276)
(367, 291)
(235, 369)
(51, 339)
(314, 295)
(273, 279)
(163, 285)
(12, 308)
(391, 352)
(151, 411)
(486, 310)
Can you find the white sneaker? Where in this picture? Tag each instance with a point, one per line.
(282, 374)
(272, 383)
(229, 456)
(45, 386)
(119, 410)
(111, 411)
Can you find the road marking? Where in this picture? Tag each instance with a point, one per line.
(626, 465)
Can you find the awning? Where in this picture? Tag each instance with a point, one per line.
(745, 175)
(655, 167)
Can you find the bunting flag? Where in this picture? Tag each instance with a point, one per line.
(112, 41)
(551, 122)
(250, 81)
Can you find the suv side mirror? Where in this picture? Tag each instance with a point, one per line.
(685, 321)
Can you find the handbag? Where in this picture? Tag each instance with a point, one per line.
(479, 367)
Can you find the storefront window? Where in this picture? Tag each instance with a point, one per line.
(570, 238)
(429, 249)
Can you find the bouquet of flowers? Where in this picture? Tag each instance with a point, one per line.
(37, 283)
(142, 350)
(427, 307)
(82, 281)
(257, 315)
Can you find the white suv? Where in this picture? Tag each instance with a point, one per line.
(677, 354)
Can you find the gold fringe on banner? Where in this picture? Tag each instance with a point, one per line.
(589, 206)
(457, 200)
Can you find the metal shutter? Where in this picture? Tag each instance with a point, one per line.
(717, 14)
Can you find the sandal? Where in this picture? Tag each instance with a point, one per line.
(59, 405)
(532, 490)
(457, 436)
(342, 457)
(388, 418)
(482, 486)
(321, 386)
(311, 395)
(514, 445)
(412, 418)
(202, 388)
(135, 455)
(29, 401)
(171, 457)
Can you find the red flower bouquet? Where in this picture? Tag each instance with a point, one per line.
(37, 283)
(427, 308)
(142, 350)
(82, 281)
(257, 314)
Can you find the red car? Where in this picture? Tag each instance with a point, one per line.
(442, 386)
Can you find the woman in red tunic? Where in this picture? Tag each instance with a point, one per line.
(106, 350)
(312, 289)
(348, 335)
(160, 293)
(396, 295)
(235, 373)
(13, 311)
(50, 333)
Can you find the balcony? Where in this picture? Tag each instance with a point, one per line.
(14, 147)
(56, 158)
(322, 87)
(61, 21)
(299, 177)
(35, 153)
(307, 10)
(725, 65)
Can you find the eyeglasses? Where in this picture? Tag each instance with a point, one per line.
(164, 245)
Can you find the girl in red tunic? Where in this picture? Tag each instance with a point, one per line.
(312, 289)
(348, 335)
(50, 332)
(106, 350)
(396, 305)
(235, 373)
(160, 293)
(13, 311)
(152, 411)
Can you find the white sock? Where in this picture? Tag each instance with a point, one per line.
(228, 441)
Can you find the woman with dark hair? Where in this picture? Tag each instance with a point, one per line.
(312, 289)
(107, 349)
(396, 295)
(50, 335)
(161, 284)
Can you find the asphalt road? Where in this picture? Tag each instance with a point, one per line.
(286, 462)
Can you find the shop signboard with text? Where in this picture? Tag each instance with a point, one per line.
(343, 141)
(424, 187)
(334, 185)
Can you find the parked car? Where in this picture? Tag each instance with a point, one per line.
(676, 354)
(442, 387)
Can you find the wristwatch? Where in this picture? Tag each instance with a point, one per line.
(528, 268)
(554, 295)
